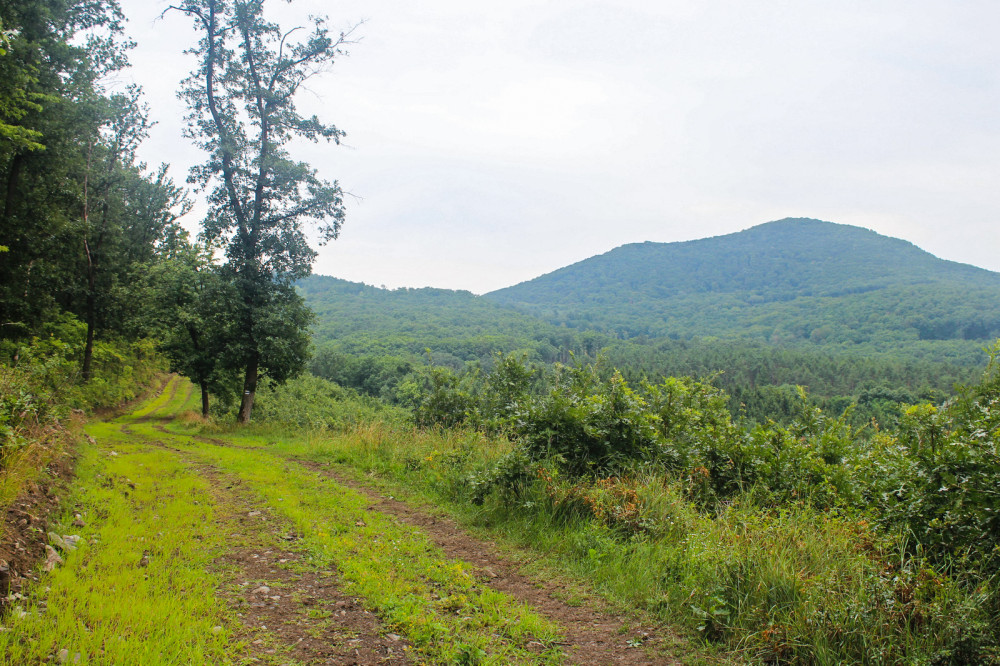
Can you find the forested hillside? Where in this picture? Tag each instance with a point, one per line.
(796, 282)
(371, 339)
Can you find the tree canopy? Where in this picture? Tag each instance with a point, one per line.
(80, 215)
(261, 200)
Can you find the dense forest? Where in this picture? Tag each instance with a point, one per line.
(793, 282)
(372, 339)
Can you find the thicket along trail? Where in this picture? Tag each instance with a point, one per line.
(224, 551)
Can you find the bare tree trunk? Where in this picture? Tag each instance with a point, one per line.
(88, 350)
(249, 389)
(204, 399)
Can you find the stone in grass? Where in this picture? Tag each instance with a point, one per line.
(64, 543)
(78, 521)
(58, 542)
(63, 657)
(52, 559)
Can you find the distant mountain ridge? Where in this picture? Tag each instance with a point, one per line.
(791, 281)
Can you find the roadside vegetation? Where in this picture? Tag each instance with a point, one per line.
(811, 542)
(137, 588)
(140, 582)
(40, 392)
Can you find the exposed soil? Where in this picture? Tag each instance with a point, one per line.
(592, 634)
(305, 609)
(24, 534)
(26, 522)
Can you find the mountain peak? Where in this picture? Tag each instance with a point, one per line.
(726, 281)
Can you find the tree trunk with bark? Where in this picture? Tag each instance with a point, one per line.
(88, 351)
(204, 398)
(249, 389)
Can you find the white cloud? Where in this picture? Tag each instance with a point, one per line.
(493, 141)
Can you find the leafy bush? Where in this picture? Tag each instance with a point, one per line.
(939, 480)
(589, 426)
(437, 396)
(812, 541)
(51, 364)
(936, 479)
(506, 392)
(312, 402)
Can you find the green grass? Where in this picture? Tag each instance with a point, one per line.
(139, 589)
(796, 585)
(145, 587)
(436, 602)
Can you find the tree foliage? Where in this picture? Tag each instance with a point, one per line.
(262, 201)
(80, 215)
(189, 306)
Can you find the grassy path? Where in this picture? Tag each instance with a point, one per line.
(205, 551)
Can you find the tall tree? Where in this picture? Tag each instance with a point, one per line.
(125, 211)
(189, 309)
(243, 114)
(52, 110)
(79, 215)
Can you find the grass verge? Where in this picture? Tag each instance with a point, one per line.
(137, 589)
(435, 602)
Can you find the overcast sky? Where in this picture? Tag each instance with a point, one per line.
(491, 142)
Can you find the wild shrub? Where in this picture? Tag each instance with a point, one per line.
(939, 479)
(311, 402)
(24, 410)
(593, 427)
(810, 541)
(588, 426)
(50, 363)
(506, 393)
(437, 396)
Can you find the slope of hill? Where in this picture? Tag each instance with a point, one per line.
(370, 338)
(789, 282)
(456, 326)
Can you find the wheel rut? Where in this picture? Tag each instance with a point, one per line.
(309, 619)
(282, 598)
(593, 635)
(287, 607)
